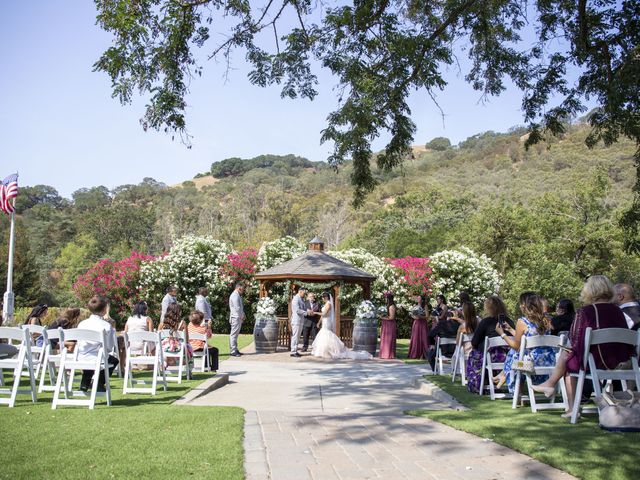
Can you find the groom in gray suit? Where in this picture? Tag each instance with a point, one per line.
(298, 311)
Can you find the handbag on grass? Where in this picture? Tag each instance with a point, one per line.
(525, 365)
(620, 411)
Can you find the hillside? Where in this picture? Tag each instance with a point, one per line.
(549, 214)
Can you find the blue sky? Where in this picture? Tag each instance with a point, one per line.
(61, 127)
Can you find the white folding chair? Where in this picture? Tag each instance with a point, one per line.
(115, 351)
(70, 363)
(51, 361)
(526, 344)
(174, 372)
(18, 364)
(440, 358)
(153, 343)
(597, 376)
(37, 353)
(488, 367)
(204, 354)
(459, 362)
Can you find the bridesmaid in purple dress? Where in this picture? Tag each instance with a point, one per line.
(419, 343)
(388, 330)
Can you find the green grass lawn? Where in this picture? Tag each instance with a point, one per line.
(402, 351)
(583, 450)
(139, 436)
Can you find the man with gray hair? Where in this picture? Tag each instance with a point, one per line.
(626, 300)
(236, 317)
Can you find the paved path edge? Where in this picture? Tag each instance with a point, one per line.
(209, 385)
(438, 393)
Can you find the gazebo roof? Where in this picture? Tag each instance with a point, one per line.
(315, 265)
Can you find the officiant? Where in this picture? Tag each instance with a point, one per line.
(310, 320)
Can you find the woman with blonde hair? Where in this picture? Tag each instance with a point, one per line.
(598, 312)
(533, 322)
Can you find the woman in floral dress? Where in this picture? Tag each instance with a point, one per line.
(496, 312)
(534, 322)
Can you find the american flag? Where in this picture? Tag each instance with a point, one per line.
(8, 191)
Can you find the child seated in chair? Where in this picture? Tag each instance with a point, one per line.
(98, 306)
(196, 326)
(173, 343)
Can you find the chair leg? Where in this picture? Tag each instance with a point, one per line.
(483, 372)
(516, 393)
(61, 376)
(563, 392)
(154, 382)
(107, 381)
(127, 382)
(578, 397)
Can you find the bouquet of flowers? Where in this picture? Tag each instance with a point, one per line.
(266, 308)
(382, 311)
(366, 312)
(417, 311)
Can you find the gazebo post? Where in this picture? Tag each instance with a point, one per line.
(263, 289)
(336, 299)
(366, 290)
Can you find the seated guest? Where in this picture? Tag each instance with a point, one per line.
(98, 306)
(565, 314)
(6, 350)
(469, 322)
(446, 327)
(496, 312)
(196, 325)
(598, 295)
(68, 319)
(626, 300)
(532, 323)
(139, 322)
(35, 318)
(172, 342)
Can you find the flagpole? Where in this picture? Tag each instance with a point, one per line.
(9, 297)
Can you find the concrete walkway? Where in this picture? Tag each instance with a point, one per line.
(310, 419)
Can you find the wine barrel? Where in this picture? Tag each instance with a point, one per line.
(365, 336)
(265, 335)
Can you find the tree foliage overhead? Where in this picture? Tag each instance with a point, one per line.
(380, 51)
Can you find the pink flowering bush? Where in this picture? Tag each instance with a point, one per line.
(239, 266)
(117, 280)
(415, 273)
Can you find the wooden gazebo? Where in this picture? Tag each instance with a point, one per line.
(316, 266)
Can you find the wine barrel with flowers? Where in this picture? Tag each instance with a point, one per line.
(365, 328)
(265, 330)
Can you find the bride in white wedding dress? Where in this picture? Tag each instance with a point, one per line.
(327, 344)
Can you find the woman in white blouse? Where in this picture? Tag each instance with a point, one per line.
(139, 322)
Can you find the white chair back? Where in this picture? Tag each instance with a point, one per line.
(152, 343)
(526, 345)
(488, 367)
(204, 353)
(18, 364)
(440, 358)
(589, 369)
(50, 360)
(459, 361)
(70, 363)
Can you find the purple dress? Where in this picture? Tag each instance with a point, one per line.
(419, 343)
(388, 339)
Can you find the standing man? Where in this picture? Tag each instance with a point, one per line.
(236, 317)
(298, 311)
(310, 321)
(626, 300)
(170, 297)
(202, 304)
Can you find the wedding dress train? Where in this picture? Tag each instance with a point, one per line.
(328, 345)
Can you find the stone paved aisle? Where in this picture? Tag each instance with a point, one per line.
(318, 420)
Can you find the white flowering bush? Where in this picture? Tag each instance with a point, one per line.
(266, 309)
(192, 262)
(366, 312)
(387, 279)
(464, 270)
(278, 251)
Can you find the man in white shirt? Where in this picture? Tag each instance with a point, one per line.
(89, 350)
(170, 297)
(626, 300)
(202, 303)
